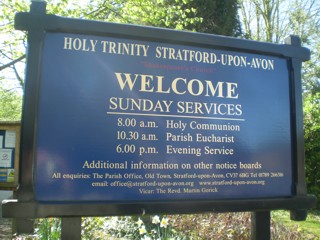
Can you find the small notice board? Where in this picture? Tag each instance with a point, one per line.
(9, 155)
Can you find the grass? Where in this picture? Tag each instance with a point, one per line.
(222, 225)
(310, 227)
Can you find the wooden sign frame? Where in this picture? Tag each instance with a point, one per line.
(37, 23)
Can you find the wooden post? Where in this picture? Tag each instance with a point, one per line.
(71, 228)
(260, 225)
(25, 188)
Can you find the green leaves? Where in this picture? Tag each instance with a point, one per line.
(11, 105)
(312, 142)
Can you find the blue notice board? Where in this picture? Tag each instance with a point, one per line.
(124, 120)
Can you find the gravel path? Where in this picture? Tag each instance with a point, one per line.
(5, 229)
(5, 223)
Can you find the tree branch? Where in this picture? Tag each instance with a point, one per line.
(18, 76)
(12, 62)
